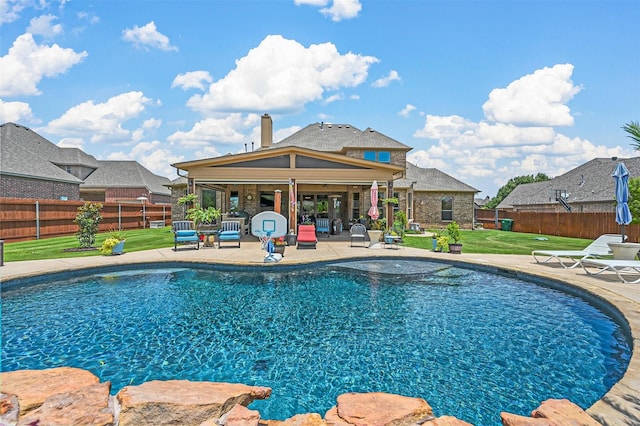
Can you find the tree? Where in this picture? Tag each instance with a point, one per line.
(88, 218)
(511, 185)
(634, 199)
(633, 128)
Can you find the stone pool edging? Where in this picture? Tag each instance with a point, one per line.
(72, 396)
(619, 406)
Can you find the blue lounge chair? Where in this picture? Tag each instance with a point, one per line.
(183, 233)
(322, 225)
(229, 231)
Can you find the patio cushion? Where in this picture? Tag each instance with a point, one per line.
(185, 233)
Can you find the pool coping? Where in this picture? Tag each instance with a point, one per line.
(619, 406)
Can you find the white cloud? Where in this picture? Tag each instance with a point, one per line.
(71, 143)
(339, 10)
(102, 121)
(518, 137)
(282, 75)
(15, 112)
(537, 99)
(27, 63)
(152, 156)
(10, 10)
(148, 37)
(318, 3)
(342, 9)
(407, 110)
(334, 98)
(192, 80)
(438, 127)
(228, 129)
(43, 25)
(386, 81)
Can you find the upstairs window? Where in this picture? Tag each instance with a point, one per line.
(379, 156)
(384, 157)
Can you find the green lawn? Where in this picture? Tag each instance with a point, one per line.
(53, 248)
(492, 241)
(479, 241)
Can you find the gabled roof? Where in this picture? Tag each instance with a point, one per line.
(339, 138)
(431, 180)
(24, 153)
(590, 182)
(126, 174)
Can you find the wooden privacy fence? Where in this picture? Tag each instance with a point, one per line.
(27, 219)
(576, 225)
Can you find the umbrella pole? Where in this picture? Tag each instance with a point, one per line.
(622, 232)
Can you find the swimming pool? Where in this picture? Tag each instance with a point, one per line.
(471, 343)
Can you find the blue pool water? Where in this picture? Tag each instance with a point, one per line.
(470, 343)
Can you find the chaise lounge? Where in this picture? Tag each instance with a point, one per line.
(307, 236)
(628, 271)
(599, 247)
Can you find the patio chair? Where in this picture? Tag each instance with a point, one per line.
(307, 236)
(322, 225)
(622, 268)
(229, 232)
(599, 247)
(358, 232)
(183, 233)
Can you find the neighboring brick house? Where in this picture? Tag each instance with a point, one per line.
(331, 168)
(33, 167)
(589, 188)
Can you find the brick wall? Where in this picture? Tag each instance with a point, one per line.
(428, 209)
(20, 187)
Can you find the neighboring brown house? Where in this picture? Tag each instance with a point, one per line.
(331, 168)
(589, 188)
(33, 167)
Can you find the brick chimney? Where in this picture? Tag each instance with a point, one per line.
(266, 131)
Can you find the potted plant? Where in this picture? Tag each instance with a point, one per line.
(279, 245)
(113, 244)
(434, 240)
(442, 243)
(291, 238)
(453, 229)
(201, 216)
(375, 233)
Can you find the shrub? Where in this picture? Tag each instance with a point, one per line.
(88, 218)
(453, 229)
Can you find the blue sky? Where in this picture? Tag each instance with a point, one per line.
(482, 90)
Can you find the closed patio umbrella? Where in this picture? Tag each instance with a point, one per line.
(373, 211)
(623, 215)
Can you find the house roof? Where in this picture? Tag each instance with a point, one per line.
(24, 153)
(126, 174)
(431, 180)
(589, 182)
(338, 138)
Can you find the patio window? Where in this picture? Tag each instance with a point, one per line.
(233, 201)
(447, 208)
(208, 198)
(267, 200)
